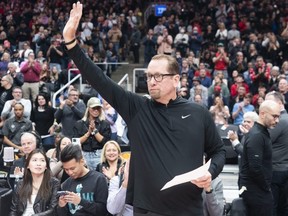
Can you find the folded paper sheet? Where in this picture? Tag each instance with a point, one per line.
(189, 176)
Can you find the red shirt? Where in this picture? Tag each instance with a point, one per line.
(234, 88)
(220, 64)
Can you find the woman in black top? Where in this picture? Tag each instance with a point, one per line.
(42, 116)
(37, 192)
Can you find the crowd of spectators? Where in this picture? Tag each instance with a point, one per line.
(224, 48)
(230, 53)
(235, 50)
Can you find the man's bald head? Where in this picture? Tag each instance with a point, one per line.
(269, 112)
(268, 105)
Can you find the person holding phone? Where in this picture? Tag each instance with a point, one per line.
(37, 192)
(87, 190)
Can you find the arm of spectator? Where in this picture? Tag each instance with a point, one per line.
(217, 33)
(79, 109)
(56, 167)
(237, 146)
(104, 133)
(225, 57)
(212, 109)
(27, 108)
(216, 58)
(226, 112)
(236, 110)
(215, 199)
(285, 31)
(7, 109)
(119, 34)
(25, 68)
(49, 51)
(160, 39)
(169, 39)
(58, 114)
(58, 51)
(116, 196)
(10, 143)
(110, 34)
(55, 185)
(111, 117)
(265, 42)
(37, 67)
(18, 79)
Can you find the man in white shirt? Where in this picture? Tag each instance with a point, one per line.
(8, 110)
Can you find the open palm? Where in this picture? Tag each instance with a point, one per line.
(70, 28)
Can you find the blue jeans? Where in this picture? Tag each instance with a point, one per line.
(92, 158)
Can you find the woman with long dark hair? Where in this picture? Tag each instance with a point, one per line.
(37, 192)
(42, 116)
(55, 163)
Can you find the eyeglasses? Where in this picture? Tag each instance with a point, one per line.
(74, 95)
(275, 116)
(157, 77)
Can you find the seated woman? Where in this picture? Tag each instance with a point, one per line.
(55, 163)
(111, 160)
(51, 153)
(219, 111)
(37, 192)
(117, 193)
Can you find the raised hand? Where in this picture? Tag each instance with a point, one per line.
(69, 31)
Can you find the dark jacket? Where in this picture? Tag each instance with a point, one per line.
(91, 144)
(279, 138)
(256, 164)
(41, 207)
(162, 137)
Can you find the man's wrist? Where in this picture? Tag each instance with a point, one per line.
(209, 190)
(235, 142)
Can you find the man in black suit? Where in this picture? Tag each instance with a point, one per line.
(279, 138)
(256, 164)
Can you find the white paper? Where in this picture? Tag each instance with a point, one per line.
(189, 176)
(8, 155)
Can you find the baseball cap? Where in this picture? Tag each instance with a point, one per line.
(94, 102)
(196, 79)
(220, 45)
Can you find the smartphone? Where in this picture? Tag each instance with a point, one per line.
(76, 141)
(62, 193)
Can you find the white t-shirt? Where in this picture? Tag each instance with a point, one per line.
(29, 209)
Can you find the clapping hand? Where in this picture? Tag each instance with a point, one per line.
(243, 129)
(107, 172)
(18, 171)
